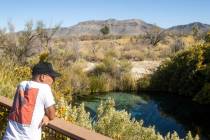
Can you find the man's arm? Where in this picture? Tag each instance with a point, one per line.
(50, 112)
(49, 115)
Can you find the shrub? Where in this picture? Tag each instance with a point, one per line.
(120, 126)
(203, 95)
(98, 83)
(177, 46)
(10, 75)
(78, 78)
(207, 37)
(126, 83)
(105, 30)
(144, 82)
(76, 115)
(135, 55)
(186, 73)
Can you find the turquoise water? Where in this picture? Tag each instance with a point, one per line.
(166, 112)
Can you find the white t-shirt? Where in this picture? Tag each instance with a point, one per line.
(28, 110)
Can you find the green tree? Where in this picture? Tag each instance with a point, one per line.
(105, 30)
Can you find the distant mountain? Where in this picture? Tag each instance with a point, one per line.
(187, 29)
(116, 27)
(124, 27)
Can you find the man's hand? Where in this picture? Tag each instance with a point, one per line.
(44, 122)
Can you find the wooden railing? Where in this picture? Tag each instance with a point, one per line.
(57, 129)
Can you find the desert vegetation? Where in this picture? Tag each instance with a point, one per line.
(103, 63)
(185, 73)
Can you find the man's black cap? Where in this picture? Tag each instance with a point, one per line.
(45, 68)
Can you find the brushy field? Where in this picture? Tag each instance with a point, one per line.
(112, 73)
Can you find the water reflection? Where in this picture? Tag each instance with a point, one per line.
(166, 112)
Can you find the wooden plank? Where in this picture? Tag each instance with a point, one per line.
(74, 131)
(5, 102)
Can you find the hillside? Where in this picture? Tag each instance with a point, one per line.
(116, 27)
(125, 27)
(187, 29)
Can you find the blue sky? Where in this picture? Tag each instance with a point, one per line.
(165, 13)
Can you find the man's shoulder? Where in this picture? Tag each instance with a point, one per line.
(23, 82)
(34, 84)
(41, 86)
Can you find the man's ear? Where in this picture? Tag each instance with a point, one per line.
(41, 77)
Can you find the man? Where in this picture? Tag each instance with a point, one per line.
(33, 105)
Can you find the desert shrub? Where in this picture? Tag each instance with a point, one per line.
(203, 96)
(125, 66)
(7, 81)
(207, 38)
(135, 55)
(73, 114)
(112, 52)
(186, 73)
(154, 36)
(177, 46)
(3, 120)
(98, 83)
(151, 54)
(10, 75)
(78, 78)
(114, 123)
(117, 75)
(109, 65)
(120, 126)
(143, 83)
(64, 82)
(126, 83)
(105, 30)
